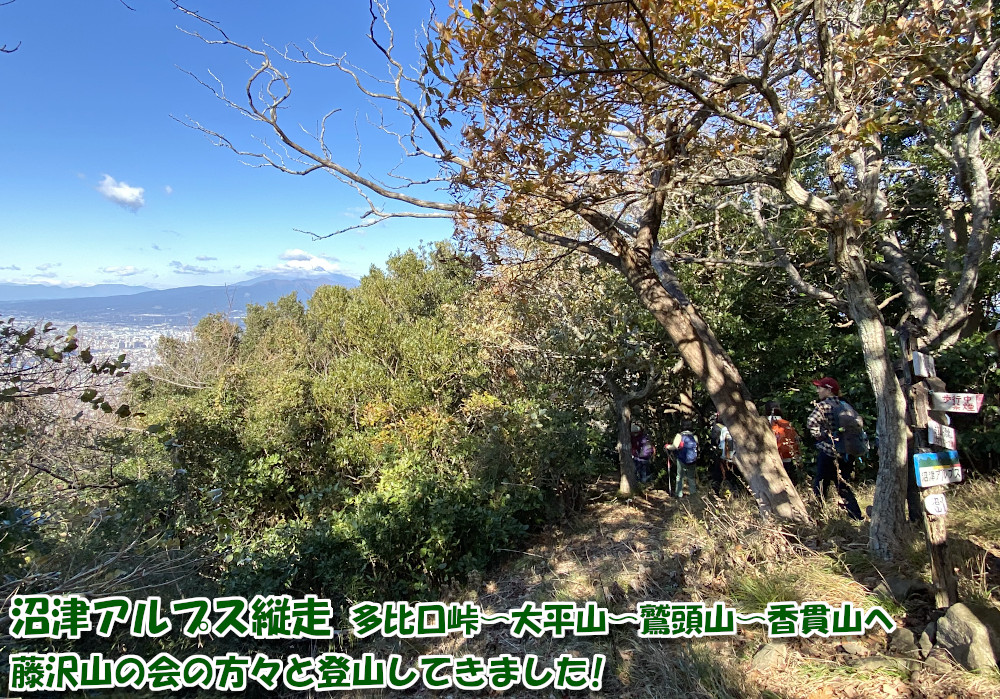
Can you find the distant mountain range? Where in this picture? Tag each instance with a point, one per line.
(136, 305)
(36, 292)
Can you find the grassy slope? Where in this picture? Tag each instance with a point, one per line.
(659, 548)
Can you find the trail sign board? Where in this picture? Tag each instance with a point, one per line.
(929, 400)
(936, 504)
(937, 468)
(941, 435)
(923, 365)
(957, 402)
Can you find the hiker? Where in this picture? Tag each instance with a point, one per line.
(722, 469)
(643, 452)
(824, 428)
(789, 444)
(685, 451)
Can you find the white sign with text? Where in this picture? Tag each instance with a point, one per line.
(936, 504)
(957, 402)
(941, 435)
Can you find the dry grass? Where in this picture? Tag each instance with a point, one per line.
(973, 511)
(704, 549)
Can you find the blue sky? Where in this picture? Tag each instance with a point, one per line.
(89, 118)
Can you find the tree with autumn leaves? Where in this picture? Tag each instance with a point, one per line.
(770, 106)
(596, 127)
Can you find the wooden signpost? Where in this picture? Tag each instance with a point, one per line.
(929, 403)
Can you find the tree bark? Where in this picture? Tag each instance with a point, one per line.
(757, 451)
(888, 511)
(628, 486)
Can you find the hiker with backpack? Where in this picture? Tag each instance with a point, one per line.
(852, 440)
(722, 470)
(643, 452)
(789, 445)
(685, 451)
(835, 425)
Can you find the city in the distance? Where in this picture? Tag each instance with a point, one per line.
(116, 318)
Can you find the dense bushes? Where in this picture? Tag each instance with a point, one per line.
(362, 445)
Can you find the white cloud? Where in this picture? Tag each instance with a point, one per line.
(126, 271)
(301, 263)
(168, 189)
(13, 268)
(120, 193)
(181, 268)
(46, 266)
(205, 258)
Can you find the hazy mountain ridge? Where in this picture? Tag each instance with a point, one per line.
(40, 292)
(179, 305)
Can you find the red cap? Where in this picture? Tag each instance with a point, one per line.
(828, 382)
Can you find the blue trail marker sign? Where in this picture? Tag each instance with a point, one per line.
(937, 468)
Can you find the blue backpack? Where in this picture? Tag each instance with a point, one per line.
(687, 453)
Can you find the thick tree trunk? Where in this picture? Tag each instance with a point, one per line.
(623, 402)
(628, 487)
(757, 450)
(888, 510)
